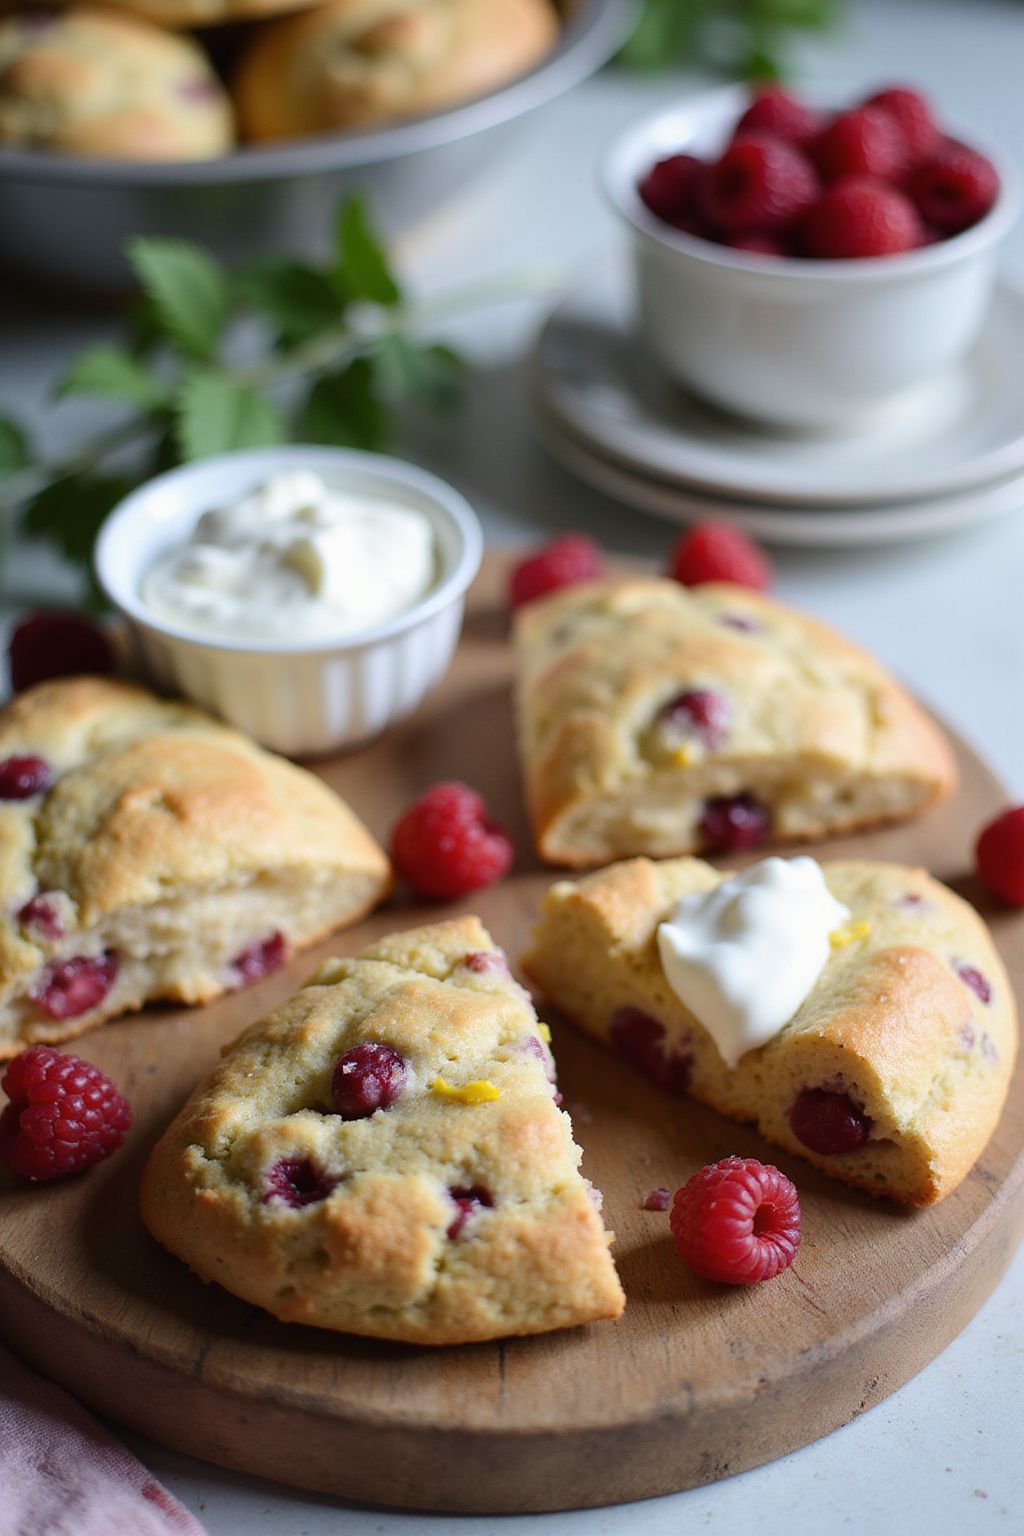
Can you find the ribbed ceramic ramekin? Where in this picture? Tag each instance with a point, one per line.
(300, 699)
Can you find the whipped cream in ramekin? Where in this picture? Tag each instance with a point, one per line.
(296, 559)
(743, 956)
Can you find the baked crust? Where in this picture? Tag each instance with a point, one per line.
(166, 837)
(92, 81)
(817, 728)
(356, 63)
(890, 1020)
(375, 1256)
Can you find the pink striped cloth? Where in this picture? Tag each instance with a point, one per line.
(62, 1474)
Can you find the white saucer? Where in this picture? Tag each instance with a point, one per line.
(962, 430)
(883, 523)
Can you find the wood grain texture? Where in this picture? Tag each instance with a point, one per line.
(693, 1383)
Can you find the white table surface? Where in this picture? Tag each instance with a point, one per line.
(942, 1454)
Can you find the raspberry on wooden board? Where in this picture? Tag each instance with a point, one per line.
(63, 1115)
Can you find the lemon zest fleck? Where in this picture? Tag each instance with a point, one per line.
(682, 757)
(849, 934)
(477, 1092)
(545, 1033)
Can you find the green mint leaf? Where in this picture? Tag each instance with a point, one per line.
(216, 415)
(188, 290)
(430, 374)
(297, 300)
(345, 409)
(14, 449)
(665, 33)
(362, 270)
(114, 375)
(69, 513)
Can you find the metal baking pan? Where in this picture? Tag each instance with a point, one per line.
(65, 221)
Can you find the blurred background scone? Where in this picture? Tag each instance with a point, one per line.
(355, 63)
(206, 13)
(96, 82)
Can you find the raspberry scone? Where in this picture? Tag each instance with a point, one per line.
(659, 719)
(891, 1071)
(148, 852)
(384, 1155)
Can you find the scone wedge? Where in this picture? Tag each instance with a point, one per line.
(910, 1029)
(659, 719)
(148, 852)
(451, 1210)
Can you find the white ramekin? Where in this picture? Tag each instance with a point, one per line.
(795, 343)
(297, 698)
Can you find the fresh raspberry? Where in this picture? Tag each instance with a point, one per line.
(64, 1114)
(864, 142)
(913, 117)
(775, 111)
(760, 184)
(640, 1039)
(367, 1078)
(1000, 856)
(861, 217)
(716, 552)
(468, 1200)
(40, 916)
(731, 823)
(698, 714)
(297, 1182)
(954, 190)
(737, 1221)
(656, 1199)
(668, 189)
(563, 562)
(757, 245)
(49, 644)
(828, 1122)
(23, 777)
(260, 959)
(68, 988)
(446, 844)
(973, 979)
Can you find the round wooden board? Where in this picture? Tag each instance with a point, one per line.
(694, 1382)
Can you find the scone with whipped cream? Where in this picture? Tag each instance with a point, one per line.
(92, 81)
(148, 852)
(385, 1155)
(857, 1012)
(660, 719)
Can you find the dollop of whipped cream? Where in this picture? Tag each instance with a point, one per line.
(296, 558)
(744, 955)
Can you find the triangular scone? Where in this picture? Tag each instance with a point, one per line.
(660, 719)
(147, 851)
(454, 1214)
(912, 1018)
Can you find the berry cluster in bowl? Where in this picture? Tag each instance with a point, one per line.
(876, 179)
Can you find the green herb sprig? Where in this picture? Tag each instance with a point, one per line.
(742, 38)
(217, 359)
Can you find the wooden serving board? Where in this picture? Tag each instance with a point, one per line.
(693, 1383)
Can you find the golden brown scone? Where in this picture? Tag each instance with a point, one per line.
(648, 709)
(205, 13)
(912, 1018)
(354, 63)
(154, 853)
(95, 82)
(454, 1213)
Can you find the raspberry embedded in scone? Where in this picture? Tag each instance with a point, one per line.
(659, 719)
(890, 1075)
(384, 1155)
(148, 852)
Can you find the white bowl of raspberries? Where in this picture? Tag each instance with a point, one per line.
(808, 267)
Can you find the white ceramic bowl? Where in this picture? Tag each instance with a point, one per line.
(796, 343)
(299, 698)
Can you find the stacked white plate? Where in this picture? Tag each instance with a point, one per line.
(949, 456)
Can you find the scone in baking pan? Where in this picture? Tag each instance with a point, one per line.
(66, 221)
